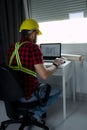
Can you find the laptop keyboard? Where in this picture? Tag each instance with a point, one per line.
(49, 61)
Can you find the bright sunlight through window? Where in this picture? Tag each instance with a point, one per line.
(65, 31)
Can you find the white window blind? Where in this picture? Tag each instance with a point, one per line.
(48, 10)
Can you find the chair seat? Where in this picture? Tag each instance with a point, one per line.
(18, 112)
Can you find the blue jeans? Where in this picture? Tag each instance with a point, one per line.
(40, 110)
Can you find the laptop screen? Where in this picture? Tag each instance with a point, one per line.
(51, 51)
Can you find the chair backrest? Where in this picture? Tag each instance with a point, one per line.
(10, 89)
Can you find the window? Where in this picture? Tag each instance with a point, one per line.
(65, 31)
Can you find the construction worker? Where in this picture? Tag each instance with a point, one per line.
(26, 58)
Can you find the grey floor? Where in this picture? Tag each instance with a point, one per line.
(76, 117)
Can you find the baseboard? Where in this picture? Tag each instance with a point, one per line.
(81, 96)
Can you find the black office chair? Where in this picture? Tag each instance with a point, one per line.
(18, 112)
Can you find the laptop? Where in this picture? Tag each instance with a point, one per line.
(50, 51)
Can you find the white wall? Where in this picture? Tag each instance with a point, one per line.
(80, 67)
(3, 115)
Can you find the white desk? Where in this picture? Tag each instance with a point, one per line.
(67, 72)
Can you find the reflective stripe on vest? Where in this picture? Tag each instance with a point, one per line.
(19, 66)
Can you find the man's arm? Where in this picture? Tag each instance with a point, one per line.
(44, 72)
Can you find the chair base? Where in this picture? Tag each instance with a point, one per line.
(24, 123)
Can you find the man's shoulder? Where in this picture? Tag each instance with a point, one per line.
(34, 46)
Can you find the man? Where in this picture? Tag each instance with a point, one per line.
(27, 57)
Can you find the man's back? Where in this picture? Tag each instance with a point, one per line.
(29, 55)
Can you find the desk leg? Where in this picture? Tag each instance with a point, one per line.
(64, 96)
(74, 81)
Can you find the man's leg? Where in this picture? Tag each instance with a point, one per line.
(40, 110)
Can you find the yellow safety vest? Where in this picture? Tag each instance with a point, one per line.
(19, 66)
